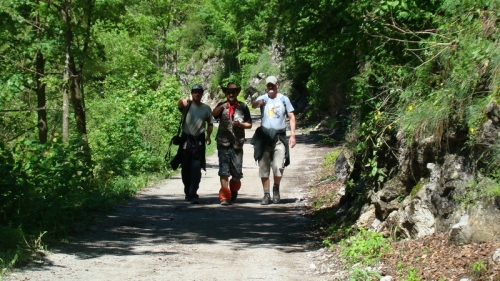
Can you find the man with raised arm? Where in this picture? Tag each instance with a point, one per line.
(271, 145)
(196, 131)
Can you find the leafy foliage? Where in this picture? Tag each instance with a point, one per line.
(328, 165)
(365, 247)
(478, 268)
(423, 68)
(130, 99)
(359, 274)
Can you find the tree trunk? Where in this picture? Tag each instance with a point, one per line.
(76, 98)
(40, 93)
(65, 106)
(40, 86)
(72, 76)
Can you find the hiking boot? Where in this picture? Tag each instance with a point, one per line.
(234, 195)
(234, 185)
(276, 194)
(266, 200)
(224, 202)
(195, 199)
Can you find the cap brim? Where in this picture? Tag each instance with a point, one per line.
(224, 89)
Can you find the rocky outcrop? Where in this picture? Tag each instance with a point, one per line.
(201, 72)
(436, 190)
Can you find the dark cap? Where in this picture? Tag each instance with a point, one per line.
(197, 88)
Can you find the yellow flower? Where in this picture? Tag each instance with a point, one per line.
(471, 130)
(378, 112)
(376, 117)
(390, 127)
(410, 107)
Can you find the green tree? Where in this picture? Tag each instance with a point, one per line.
(242, 29)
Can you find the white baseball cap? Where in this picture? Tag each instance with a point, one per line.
(271, 79)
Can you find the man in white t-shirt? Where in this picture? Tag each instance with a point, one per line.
(271, 145)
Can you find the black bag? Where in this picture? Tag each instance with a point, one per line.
(177, 140)
(176, 162)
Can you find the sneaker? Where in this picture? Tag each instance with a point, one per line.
(234, 195)
(266, 200)
(276, 195)
(224, 202)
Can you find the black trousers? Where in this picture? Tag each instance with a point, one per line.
(191, 177)
(192, 162)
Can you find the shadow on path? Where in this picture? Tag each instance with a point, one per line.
(159, 216)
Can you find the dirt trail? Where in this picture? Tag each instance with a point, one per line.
(159, 236)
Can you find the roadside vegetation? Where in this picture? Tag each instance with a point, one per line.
(366, 255)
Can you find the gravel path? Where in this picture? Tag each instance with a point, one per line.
(159, 236)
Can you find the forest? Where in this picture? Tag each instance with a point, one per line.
(88, 90)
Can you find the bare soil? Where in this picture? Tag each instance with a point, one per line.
(159, 236)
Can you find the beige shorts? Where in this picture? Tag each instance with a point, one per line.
(273, 157)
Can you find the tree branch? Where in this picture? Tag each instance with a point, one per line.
(29, 109)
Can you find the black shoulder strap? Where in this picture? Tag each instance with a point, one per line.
(184, 113)
(284, 103)
(183, 118)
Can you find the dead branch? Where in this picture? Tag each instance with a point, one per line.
(433, 57)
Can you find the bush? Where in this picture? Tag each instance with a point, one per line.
(365, 247)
